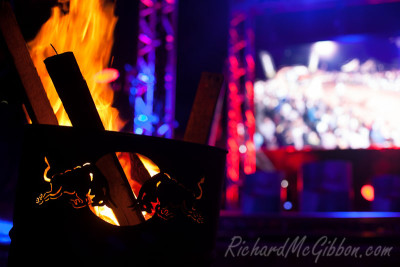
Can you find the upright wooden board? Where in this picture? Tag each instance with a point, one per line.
(39, 107)
(201, 117)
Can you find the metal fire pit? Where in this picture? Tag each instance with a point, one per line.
(57, 233)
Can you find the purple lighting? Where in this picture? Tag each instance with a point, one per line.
(154, 26)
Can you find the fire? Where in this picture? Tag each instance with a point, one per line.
(105, 213)
(86, 30)
(151, 167)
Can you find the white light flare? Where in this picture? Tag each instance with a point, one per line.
(324, 49)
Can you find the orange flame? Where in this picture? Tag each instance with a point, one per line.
(86, 30)
(150, 166)
(105, 213)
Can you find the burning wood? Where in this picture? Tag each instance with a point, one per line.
(86, 116)
(77, 100)
(73, 91)
(193, 191)
(86, 28)
(80, 28)
(38, 106)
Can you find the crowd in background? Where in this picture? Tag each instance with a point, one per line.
(328, 110)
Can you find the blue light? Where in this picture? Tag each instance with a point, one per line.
(138, 131)
(287, 205)
(143, 77)
(163, 129)
(352, 38)
(355, 214)
(132, 99)
(258, 140)
(5, 227)
(142, 118)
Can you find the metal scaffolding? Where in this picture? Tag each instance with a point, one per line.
(241, 121)
(152, 82)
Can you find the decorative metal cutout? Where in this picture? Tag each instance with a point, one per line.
(82, 186)
(159, 194)
(166, 198)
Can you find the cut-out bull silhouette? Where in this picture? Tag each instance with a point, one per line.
(166, 197)
(82, 185)
(161, 195)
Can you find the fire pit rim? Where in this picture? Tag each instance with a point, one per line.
(34, 127)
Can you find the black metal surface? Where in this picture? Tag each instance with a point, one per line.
(60, 234)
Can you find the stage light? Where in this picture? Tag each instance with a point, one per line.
(240, 129)
(142, 118)
(258, 140)
(397, 42)
(242, 149)
(287, 205)
(145, 38)
(138, 131)
(5, 227)
(267, 64)
(367, 191)
(284, 183)
(325, 49)
(163, 129)
(169, 38)
(351, 66)
(143, 77)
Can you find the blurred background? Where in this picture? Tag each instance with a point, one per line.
(310, 111)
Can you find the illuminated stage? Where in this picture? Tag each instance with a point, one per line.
(311, 85)
(313, 99)
(311, 124)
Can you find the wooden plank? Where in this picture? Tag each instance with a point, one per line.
(138, 171)
(203, 110)
(79, 105)
(39, 107)
(73, 91)
(123, 202)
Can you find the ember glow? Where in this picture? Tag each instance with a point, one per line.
(86, 30)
